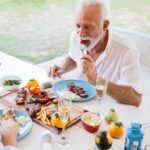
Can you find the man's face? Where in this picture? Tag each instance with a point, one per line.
(88, 26)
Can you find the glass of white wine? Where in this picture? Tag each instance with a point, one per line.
(64, 110)
(101, 89)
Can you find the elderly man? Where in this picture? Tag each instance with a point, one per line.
(105, 53)
(8, 135)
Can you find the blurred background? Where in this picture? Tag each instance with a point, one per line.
(39, 30)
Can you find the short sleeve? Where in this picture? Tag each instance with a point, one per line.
(130, 70)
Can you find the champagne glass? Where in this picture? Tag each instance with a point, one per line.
(64, 110)
(101, 88)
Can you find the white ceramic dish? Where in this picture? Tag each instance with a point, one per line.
(10, 77)
(92, 117)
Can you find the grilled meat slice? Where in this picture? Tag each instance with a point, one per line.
(55, 101)
(21, 96)
(50, 109)
(33, 108)
(83, 95)
(9, 114)
(71, 84)
(41, 98)
(77, 90)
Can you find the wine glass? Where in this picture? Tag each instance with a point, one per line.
(101, 88)
(64, 110)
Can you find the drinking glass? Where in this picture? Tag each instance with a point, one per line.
(64, 110)
(101, 88)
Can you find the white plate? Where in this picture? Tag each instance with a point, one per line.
(10, 77)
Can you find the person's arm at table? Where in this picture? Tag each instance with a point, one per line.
(65, 66)
(124, 94)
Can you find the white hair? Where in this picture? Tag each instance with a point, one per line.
(103, 4)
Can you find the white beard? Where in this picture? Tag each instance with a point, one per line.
(93, 42)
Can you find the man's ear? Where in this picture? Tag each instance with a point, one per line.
(106, 25)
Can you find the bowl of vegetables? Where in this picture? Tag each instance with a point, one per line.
(10, 82)
(91, 121)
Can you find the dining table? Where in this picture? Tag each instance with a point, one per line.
(80, 139)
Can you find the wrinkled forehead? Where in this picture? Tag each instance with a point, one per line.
(89, 14)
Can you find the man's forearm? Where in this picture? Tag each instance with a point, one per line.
(68, 64)
(124, 94)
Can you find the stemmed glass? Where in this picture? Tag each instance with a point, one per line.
(64, 110)
(101, 88)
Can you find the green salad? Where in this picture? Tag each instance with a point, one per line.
(11, 82)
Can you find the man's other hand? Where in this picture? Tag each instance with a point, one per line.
(55, 71)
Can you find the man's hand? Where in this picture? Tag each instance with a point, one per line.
(88, 67)
(9, 130)
(55, 71)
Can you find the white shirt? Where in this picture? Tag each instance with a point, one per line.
(119, 61)
(8, 148)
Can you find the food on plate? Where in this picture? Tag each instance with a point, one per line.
(46, 113)
(56, 121)
(32, 108)
(41, 115)
(39, 104)
(103, 140)
(22, 120)
(91, 121)
(72, 87)
(41, 98)
(11, 82)
(69, 95)
(50, 109)
(32, 83)
(116, 129)
(10, 114)
(35, 90)
(111, 116)
(21, 96)
(43, 102)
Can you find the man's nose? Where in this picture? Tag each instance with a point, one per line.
(82, 32)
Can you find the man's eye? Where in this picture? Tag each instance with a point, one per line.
(77, 26)
(88, 27)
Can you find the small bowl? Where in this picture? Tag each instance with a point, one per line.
(88, 126)
(10, 87)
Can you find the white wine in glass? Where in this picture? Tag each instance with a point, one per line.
(101, 88)
(100, 92)
(64, 110)
(64, 113)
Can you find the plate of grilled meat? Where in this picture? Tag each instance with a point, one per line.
(76, 90)
(40, 104)
(33, 103)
